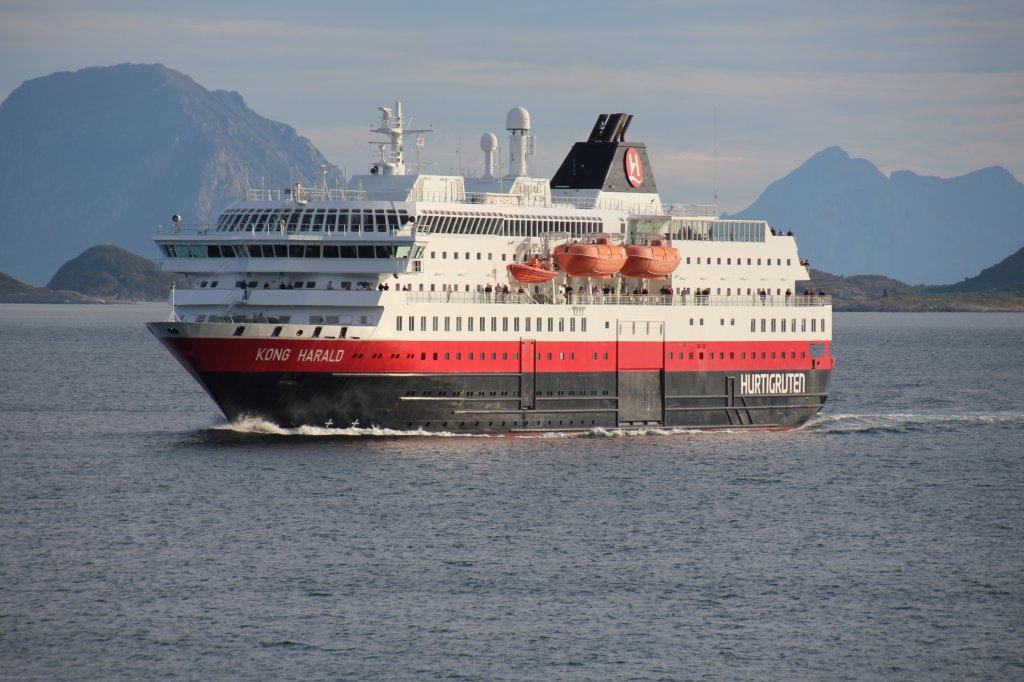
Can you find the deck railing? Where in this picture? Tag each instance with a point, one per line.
(793, 301)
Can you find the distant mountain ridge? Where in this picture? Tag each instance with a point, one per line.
(102, 154)
(1006, 275)
(851, 218)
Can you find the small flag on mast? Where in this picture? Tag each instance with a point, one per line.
(419, 141)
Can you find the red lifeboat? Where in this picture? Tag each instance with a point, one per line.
(652, 261)
(600, 259)
(531, 272)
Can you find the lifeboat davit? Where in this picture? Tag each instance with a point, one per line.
(652, 261)
(532, 271)
(600, 259)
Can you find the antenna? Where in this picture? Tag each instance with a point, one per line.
(714, 139)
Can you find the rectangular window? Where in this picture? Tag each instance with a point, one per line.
(527, 320)
(398, 323)
(458, 324)
(504, 324)
(572, 324)
(423, 323)
(814, 324)
(469, 324)
(764, 325)
(551, 324)
(435, 323)
(583, 325)
(561, 324)
(494, 324)
(773, 324)
(412, 323)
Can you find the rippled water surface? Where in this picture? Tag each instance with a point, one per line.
(142, 537)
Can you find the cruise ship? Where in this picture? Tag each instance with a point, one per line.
(496, 304)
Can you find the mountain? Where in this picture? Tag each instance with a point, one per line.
(113, 274)
(101, 274)
(103, 154)
(15, 291)
(850, 218)
(1006, 275)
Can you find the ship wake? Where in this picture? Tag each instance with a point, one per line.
(900, 422)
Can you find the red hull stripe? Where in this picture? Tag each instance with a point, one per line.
(483, 357)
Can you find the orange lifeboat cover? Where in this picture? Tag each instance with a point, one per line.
(600, 259)
(650, 262)
(531, 272)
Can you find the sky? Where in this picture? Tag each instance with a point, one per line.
(728, 96)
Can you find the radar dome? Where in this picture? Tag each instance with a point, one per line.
(489, 142)
(517, 119)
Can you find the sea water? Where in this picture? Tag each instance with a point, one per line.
(143, 537)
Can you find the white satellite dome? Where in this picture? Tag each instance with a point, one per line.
(518, 119)
(489, 142)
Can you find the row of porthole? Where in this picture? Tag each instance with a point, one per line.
(470, 394)
(506, 424)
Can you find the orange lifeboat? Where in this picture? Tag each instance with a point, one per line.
(531, 272)
(650, 262)
(600, 259)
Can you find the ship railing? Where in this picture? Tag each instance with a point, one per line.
(792, 301)
(179, 228)
(471, 297)
(691, 210)
(305, 194)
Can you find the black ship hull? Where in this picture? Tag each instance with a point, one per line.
(520, 402)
